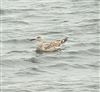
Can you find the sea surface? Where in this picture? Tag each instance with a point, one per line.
(74, 68)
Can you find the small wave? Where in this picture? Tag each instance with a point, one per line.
(83, 12)
(14, 21)
(24, 90)
(72, 57)
(91, 51)
(94, 51)
(37, 69)
(79, 66)
(81, 44)
(54, 20)
(9, 11)
(88, 25)
(73, 52)
(92, 20)
(86, 44)
(96, 66)
(30, 71)
(18, 52)
(33, 60)
(93, 86)
(58, 65)
(46, 33)
(15, 40)
(58, 7)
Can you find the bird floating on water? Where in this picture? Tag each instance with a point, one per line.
(51, 46)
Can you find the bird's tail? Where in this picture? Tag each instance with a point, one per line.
(64, 40)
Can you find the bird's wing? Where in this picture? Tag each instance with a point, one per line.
(53, 44)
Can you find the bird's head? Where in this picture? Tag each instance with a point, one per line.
(38, 38)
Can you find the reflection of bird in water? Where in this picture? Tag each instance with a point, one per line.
(45, 46)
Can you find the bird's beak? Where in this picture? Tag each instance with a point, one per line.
(32, 39)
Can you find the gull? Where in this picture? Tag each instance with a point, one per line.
(45, 46)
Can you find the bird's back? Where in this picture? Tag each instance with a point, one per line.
(51, 46)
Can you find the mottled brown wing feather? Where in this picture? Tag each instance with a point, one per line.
(53, 44)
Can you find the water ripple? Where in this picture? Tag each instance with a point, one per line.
(9, 11)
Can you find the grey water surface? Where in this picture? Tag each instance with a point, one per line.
(74, 68)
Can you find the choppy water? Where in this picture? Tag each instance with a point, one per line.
(73, 69)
